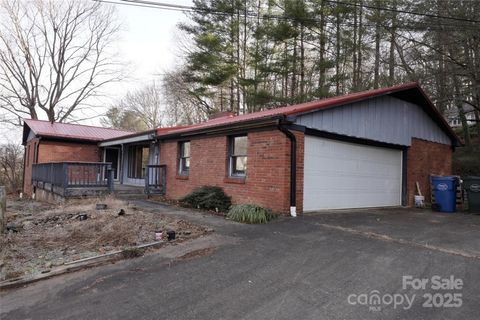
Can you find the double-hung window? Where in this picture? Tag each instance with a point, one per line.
(238, 156)
(184, 158)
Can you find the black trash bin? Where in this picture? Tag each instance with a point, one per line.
(472, 186)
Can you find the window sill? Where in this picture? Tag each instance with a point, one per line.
(181, 177)
(237, 180)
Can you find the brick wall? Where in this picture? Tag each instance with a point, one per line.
(29, 159)
(56, 151)
(268, 169)
(300, 137)
(425, 158)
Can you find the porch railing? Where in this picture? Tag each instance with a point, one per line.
(59, 177)
(155, 179)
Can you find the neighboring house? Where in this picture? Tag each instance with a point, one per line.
(364, 149)
(453, 116)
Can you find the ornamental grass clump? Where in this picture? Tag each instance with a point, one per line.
(250, 213)
(207, 197)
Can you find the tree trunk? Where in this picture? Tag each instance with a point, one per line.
(354, 49)
(302, 63)
(337, 57)
(391, 58)
(322, 75)
(359, 48)
(376, 69)
(461, 111)
(3, 209)
(294, 70)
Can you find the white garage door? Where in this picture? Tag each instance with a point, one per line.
(340, 175)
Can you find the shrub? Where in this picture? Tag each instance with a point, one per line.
(131, 253)
(250, 213)
(207, 197)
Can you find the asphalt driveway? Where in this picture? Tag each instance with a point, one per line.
(318, 266)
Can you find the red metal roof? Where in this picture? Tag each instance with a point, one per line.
(73, 131)
(318, 105)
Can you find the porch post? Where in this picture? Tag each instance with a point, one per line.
(110, 178)
(121, 169)
(147, 179)
(66, 178)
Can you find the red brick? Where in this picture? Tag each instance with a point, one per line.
(268, 176)
(426, 158)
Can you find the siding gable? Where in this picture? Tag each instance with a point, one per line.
(385, 119)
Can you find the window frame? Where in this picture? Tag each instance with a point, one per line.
(183, 170)
(232, 172)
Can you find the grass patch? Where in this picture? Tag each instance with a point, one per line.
(250, 213)
(207, 197)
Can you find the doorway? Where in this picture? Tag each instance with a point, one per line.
(112, 155)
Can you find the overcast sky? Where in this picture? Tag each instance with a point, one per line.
(147, 43)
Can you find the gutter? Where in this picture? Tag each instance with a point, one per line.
(223, 128)
(293, 168)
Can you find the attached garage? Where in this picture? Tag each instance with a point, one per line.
(340, 175)
(370, 149)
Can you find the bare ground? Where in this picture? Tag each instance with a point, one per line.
(51, 235)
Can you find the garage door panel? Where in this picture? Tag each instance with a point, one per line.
(346, 175)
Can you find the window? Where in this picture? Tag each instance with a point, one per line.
(137, 161)
(184, 158)
(238, 156)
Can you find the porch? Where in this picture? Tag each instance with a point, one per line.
(90, 179)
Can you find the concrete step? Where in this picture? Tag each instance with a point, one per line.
(129, 191)
(131, 196)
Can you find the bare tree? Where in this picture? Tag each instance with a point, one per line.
(147, 104)
(54, 56)
(120, 118)
(11, 166)
(184, 103)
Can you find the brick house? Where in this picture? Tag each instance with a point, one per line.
(364, 149)
(47, 142)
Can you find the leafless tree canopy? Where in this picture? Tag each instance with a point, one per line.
(139, 109)
(54, 57)
(146, 103)
(183, 104)
(11, 166)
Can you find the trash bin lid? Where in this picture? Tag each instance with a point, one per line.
(444, 178)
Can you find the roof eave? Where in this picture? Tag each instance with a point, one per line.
(225, 128)
(131, 135)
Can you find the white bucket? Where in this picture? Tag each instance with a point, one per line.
(419, 201)
(158, 235)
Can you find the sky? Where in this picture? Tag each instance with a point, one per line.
(148, 46)
(149, 41)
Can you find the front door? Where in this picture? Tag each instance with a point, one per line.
(112, 156)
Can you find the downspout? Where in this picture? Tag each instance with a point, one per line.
(293, 169)
(122, 169)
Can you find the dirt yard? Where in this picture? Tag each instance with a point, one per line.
(41, 236)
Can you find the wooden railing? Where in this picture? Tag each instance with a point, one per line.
(59, 177)
(155, 179)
